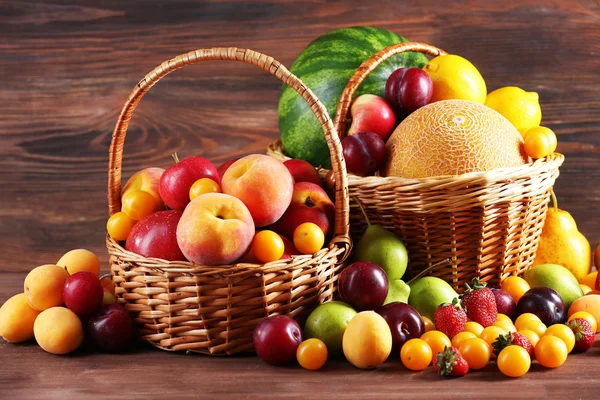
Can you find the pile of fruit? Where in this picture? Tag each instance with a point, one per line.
(254, 209)
(413, 118)
(65, 305)
(513, 325)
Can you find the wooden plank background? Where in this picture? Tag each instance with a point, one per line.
(66, 68)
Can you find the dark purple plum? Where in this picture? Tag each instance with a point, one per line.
(363, 285)
(505, 303)
(364, 153)
(408, 89)
(111, 328)
(404, 322)
(276, 339)
(544, 302)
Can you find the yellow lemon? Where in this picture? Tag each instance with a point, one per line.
(521, 108)
(454, 77)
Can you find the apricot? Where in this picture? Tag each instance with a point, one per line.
(589, 303)
(80, 260)
(367, 340)
(16, 319)
(44, 286)
(58, 330)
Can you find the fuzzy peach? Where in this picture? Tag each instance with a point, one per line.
(147, 180)
(263, 184)
(215, 229)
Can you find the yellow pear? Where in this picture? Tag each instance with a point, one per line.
(561, 243)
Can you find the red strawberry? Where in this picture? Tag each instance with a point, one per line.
(450, 318)
(513, 338)
(450, 363)
(584, 334)
(480, 303)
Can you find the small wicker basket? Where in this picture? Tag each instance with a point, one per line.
(488, 224)
(214, 309)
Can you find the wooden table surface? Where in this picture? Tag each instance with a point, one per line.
(66, 68)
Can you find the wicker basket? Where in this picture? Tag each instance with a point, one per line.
(487, 223)
(213, 310)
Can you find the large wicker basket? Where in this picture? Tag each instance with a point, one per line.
(214, 309)
(488, 224)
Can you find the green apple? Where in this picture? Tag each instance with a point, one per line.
(328, 323)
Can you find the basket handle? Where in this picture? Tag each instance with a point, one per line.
(341, 115)
(266, 63)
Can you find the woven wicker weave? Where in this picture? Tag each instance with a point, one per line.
(213, 310)
(487, 223)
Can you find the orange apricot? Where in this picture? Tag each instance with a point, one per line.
(58, 330)
(16, 319)
(44, 286)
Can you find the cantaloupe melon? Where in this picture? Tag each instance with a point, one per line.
(453, 137)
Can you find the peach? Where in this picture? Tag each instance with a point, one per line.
(58, 330)
(44, 286)
(589, 303)
(16, 319)
(215, 229)
(79, 260)
(263, 184)
(310, 203)
(147, 180)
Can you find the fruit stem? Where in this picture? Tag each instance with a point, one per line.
(554, 200)
(363, 210)
(447, 261)
(175, 157)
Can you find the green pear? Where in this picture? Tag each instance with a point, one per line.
(380, 246)
(427, 293)
(555, 277)
(398, 291)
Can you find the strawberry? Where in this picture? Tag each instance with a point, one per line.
(450, 363)
(450, 318)
(513, 338)
(584, 334)
(480, 303)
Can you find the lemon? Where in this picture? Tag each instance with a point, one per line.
(454, 77)
(521, 108)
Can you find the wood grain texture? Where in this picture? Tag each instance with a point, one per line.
(67, 66)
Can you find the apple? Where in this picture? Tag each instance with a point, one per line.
(215, 229)
(408, 89)
(177, 180)
(303, 171)
(223, 167)
(263, 184)
(156, 236)
(147, 180)
(372, 113)
(404, 321)
(310, 203)
(364, 153)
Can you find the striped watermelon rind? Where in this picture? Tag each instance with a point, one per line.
(325, 66)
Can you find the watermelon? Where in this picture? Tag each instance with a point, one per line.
(325, 66)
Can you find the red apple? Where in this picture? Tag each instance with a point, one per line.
(364, 153)
(156, 236)
(223, 167)
(310, 203)
(176, 181)
(303, 171)
(372, 113)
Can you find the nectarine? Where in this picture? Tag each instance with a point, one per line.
(263, 184)
(215, 229)
(147, 180)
